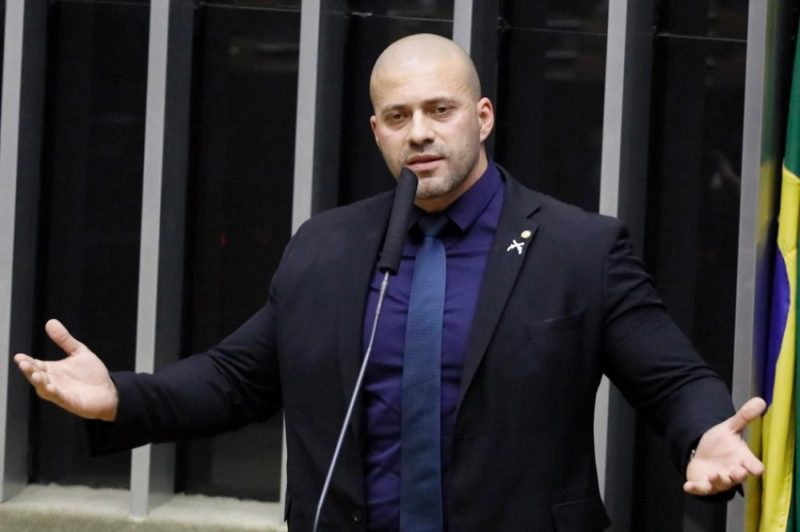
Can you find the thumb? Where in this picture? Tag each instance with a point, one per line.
(747, 413)
(61, 336)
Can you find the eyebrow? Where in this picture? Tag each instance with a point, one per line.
(428, 101)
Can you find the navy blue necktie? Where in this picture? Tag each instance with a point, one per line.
(420, 455)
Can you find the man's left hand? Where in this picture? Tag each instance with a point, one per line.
(722, 459)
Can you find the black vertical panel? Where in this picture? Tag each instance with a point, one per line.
(363, 171)
(704, 18)
(90, 225)
(439, 9)
(691, 229)
(572, 15)
(268, 4)
(550, 105)
(691, 236)
(239, 215)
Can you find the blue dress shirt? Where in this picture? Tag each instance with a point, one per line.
(467, 241)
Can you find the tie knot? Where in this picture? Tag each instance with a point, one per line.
(432, 224)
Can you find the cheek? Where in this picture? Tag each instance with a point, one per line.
(388, 147)
(386, 138)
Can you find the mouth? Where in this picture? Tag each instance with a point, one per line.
(421, 163)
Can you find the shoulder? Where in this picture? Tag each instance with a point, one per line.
(347, 218)
(560, 220)
(341, 221)
(328, 234)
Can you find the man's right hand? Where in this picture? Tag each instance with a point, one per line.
(79, 383)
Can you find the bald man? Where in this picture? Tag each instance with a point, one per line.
(540, 300)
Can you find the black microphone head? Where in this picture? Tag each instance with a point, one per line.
(404, 195)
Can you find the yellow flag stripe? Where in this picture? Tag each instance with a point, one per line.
(778, 426)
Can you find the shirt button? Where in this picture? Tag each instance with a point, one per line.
(357, 517)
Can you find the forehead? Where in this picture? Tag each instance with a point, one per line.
(416, 81)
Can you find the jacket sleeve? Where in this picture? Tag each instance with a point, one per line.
(651, 361)
(232, 384)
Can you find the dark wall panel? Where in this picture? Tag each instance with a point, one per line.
(92, 188)
(691, 237)
(550, 111)
(239, 215)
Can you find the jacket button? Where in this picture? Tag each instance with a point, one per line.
(357, 516)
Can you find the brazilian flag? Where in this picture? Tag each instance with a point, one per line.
(772, 501)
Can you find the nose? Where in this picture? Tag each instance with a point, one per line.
(421, 131)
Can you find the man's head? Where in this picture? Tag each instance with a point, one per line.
(429, 116)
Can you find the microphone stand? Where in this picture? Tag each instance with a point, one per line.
(352, 404)
(388, 264)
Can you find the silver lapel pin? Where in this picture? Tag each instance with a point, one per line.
(526, 234)
(516, 245)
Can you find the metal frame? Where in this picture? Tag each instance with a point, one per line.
(623, 175)
(462, 23)
(20, 154)
(306, 124)
(163, 220)
(475, 25)
(147, 299)
(610, 164)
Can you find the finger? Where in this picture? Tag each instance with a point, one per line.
(53, 394)
(46, 388)
(697, 488)
(722, 482)
(707, 487)
(747, 413)
(24, 362)
(48, 392)
(61, 336)
(27, 371)
(702, 486)
(753, 465)
(39, 379)
(738, 475)
(21, 358)
(28, 365)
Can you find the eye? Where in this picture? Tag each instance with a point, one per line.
(441, 109)
(394, 117)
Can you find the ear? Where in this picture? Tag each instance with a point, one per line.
(373, 123)
(486, 117)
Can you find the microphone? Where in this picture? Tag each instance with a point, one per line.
(388, 265)
(404, 196)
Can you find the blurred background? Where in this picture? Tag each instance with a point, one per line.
(183, 141)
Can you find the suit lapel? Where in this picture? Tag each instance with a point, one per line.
(508, 252)
(514, 236)
(360, 256)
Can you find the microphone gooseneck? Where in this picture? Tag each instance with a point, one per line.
(388, 265)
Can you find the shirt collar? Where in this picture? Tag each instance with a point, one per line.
(470, 205)
(464, 211)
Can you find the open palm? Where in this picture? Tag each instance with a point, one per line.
(722, 459)
(78, 383)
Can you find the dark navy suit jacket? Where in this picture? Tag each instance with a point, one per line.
(574, 304)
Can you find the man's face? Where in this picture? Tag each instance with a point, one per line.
(427, 119)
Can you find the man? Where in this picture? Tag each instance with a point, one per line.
(540, 299)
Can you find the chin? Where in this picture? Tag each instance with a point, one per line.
(433, 192)
(437, 186)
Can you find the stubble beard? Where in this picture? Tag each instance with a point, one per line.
(455, 173)
(437, 186)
